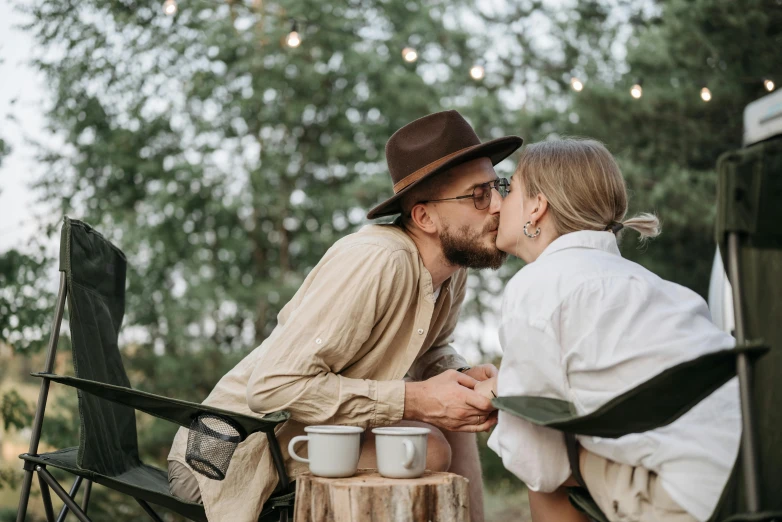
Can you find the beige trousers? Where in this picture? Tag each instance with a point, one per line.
(629, 494)
(182, 483)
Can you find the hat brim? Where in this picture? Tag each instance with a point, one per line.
(496, 150)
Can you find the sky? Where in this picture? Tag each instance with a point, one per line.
(19, 82)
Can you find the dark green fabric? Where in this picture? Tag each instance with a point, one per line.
(145, 482)
(763, 516)
(95, 273)
(749, 192)
(151, 484)
(654, 403)
(750, 202)
(173, 410)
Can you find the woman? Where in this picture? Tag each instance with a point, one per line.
(582, 324)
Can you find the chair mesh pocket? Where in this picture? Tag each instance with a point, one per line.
(210, 445)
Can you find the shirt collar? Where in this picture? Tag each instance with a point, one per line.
(599, 240)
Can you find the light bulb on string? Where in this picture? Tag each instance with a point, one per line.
(477, 72)
(769, 85)
(577, 84)
(409, 54)
(169, 7)
(705, 94)
(293, 39)
(636, 91)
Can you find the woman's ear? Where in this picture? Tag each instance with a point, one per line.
(540, 208)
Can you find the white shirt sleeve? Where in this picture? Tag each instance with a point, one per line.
(530, 366)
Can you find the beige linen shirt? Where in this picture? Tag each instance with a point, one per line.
(364, 317)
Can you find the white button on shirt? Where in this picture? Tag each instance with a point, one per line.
(584, 325)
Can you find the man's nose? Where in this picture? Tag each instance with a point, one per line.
(496, 201)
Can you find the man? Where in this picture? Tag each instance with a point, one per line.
(381, 304)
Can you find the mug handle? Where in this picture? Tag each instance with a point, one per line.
(409, 453)
(292, 452)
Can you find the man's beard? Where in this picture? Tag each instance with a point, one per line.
(467, 249)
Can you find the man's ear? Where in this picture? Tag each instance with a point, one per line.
(541, 207)
(423, 219)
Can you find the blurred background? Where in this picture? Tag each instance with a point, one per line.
(224, 145)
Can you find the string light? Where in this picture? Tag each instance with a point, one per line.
(170, 7)
(409, 54)
(477, 72)
(293, 39)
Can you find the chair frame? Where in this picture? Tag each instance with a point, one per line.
(749, 450)
(47, 481)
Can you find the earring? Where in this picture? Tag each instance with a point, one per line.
(531, 236)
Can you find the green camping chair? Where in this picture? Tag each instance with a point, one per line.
(749, 234)
(93, 279)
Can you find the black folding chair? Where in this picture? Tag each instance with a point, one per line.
(93, 281)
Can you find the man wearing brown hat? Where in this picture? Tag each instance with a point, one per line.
(366, 339)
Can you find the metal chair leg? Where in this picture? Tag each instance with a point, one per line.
(749, 452)
(47, 499)
(72, 494)
(24, 497)
(43, 394)
(73, 506)
(149, 510)
(86, 500)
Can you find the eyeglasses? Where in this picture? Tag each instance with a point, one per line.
(481, 194)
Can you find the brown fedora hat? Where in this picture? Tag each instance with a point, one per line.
(432, 145)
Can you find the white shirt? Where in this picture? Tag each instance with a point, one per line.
(583, 324)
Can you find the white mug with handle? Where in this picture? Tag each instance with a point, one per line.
(401, 451)
(333, 450)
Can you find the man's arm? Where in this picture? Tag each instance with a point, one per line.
(299, 368)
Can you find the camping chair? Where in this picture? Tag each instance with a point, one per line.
(93, 279)
(749, 234)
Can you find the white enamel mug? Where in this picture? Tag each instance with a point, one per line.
(401, 451)
(333, 450)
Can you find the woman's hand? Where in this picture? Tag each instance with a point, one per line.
(482, 372)
(487, 388)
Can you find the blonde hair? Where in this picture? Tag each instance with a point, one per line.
(583, 185)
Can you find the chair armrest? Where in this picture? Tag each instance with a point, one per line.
(650, 405)
(173, 410)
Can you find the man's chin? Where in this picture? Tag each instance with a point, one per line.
(479, 252)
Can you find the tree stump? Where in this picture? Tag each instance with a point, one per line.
(369, 497)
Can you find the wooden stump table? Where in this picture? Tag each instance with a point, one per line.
(368, 497)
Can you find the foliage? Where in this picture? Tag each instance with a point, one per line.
(668, 141)
(14, 411)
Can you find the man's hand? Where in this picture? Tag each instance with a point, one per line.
(482, 372)
(448, 401)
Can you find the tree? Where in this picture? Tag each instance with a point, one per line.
(668, 141)
(224, 162)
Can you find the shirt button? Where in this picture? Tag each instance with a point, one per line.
(318, 341)
(420, 331)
